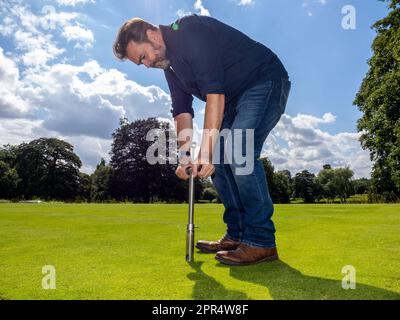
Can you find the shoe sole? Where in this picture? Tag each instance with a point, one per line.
(205, 250)
(238, 264)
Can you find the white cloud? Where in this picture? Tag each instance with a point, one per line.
(16, 131)
(38, 48)
(297, 144)
(33, 34)
(308, 5)
(182, 13)
(308, 121)
(89, 149)
(11, 104)
(198, 5)
(7, 27)
(73, 3)
(73, 106)
(83, 37)
(245, 2)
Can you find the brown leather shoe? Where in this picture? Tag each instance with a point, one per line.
(246, 255)
(214, 246)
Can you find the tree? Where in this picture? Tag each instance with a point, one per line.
(48, 168)
(279, 183)
(8, 175)
(101, 179)
(326, 179)
(8, 154)
(342, 180)
(379, 100)
(134, 178)
(304, 186)
(269, 174)
(282, 187)
(8, 181)
(335, 183)
(210, 194)
(361, 186)
(85, 187)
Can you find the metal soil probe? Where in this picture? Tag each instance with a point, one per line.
(190, 225)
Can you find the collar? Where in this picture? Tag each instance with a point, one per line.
(167, 31)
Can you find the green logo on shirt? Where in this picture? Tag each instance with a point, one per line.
(175, 26)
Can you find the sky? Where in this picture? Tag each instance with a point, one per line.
(59, 78)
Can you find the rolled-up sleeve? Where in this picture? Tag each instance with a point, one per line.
(181, 101)
(201, 53)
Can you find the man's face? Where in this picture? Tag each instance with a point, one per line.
(152, 55)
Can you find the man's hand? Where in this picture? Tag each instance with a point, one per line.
(202, 168)
(181, 171)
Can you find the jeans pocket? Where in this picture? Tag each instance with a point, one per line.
(285, 90)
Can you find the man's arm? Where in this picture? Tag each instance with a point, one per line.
(212, 125)
(184, 133)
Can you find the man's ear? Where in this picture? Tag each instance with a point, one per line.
(151, 35)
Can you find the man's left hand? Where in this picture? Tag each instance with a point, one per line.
(203, 168)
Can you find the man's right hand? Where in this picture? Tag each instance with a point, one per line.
(181, 171)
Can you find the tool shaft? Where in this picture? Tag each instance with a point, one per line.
(190, 225)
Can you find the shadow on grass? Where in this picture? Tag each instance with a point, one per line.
(285, 283)
(207, 287)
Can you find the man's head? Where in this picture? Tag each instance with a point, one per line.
(142, 43)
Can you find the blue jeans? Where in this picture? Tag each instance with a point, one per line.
(246, 198)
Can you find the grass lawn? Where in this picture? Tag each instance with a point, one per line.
(137, 252)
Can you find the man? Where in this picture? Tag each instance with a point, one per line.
(245, 87)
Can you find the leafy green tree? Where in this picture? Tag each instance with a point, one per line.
(101, 179)
(134, 178)
(8, 154)
(269, 174)
(85, 187)
(210, 194)
(282, 187)
(326, 179)
(279, 183)
(379, 100)
(8, 181)
(335, 183)
(304, 186)
(342, 180)
(48, 168)
(361, 186)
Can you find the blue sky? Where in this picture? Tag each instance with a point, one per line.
(325, 62)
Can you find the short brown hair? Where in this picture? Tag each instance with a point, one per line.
(134, 29)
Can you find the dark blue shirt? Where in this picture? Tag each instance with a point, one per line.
(208, 56)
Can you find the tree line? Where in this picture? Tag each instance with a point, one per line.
(48, 169)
